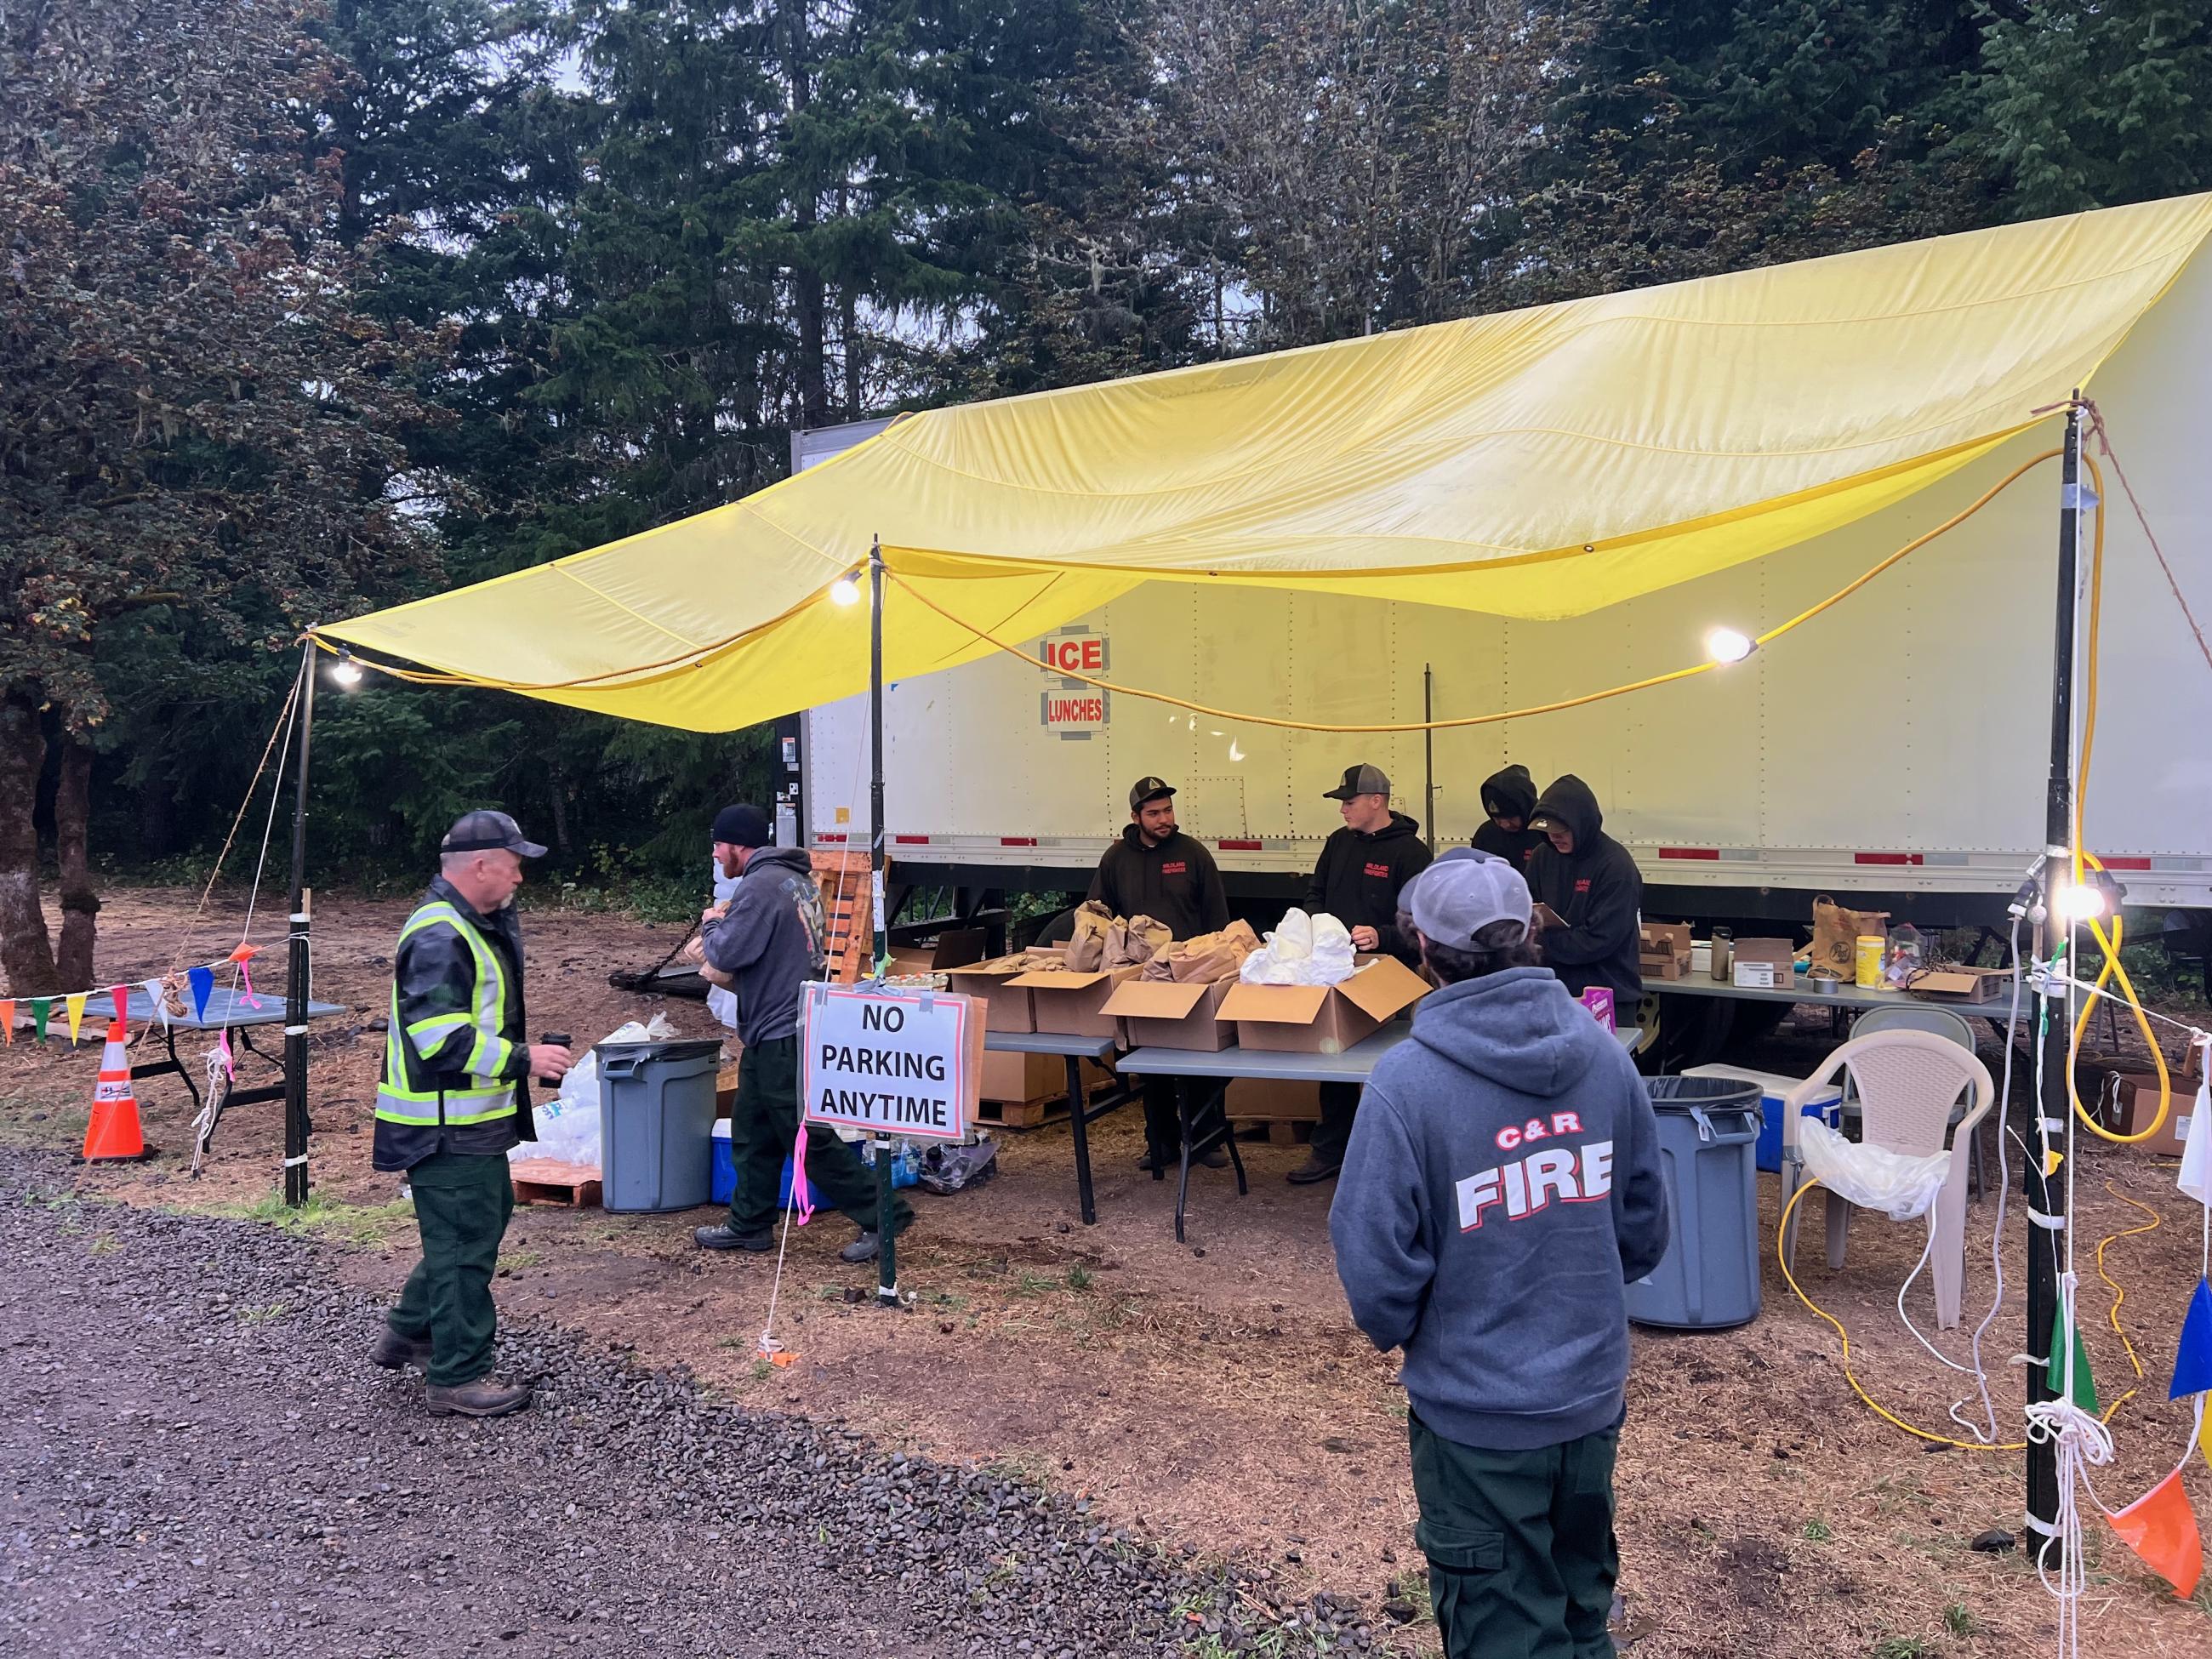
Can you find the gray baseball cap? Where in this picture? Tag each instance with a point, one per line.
(1464, 892)
(1362, 779)
(1146, 789)
(483, 831)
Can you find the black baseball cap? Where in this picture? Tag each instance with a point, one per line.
(488, 831)
(1362, 779)
(1149, 789)
(744, 826)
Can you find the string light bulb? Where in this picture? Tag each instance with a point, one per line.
(1727, 645)
(2081, 901)
(845, 590)
(348, 671)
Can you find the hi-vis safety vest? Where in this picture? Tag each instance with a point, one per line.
(409, 1091)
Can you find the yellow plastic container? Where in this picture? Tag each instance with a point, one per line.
(1871, 947)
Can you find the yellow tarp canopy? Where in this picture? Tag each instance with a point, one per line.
(1537, 463)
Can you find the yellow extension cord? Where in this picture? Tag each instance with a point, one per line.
(1782, 1259)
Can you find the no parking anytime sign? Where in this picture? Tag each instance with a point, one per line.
(900, 1062)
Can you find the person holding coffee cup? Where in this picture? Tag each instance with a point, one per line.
(453, 1097)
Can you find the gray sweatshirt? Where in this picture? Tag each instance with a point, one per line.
(770, 942)
(1502, 1188)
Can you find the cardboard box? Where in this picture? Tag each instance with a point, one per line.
(998, 991)
(1764, 964)
(2129, 1102)
(1322, 1019)
(1273, 1100)
(1598, 999)
(1033, 1077)
(1158, 1013)
(1662, 967)
(1965, 985)
(1072, 1005)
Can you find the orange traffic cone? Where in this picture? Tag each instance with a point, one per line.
(114, 1132)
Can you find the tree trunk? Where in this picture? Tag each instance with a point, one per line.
(27, 951)
(80, 904)
(807, 297)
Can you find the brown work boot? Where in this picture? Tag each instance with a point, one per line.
(485, 1397)
(392, 1350)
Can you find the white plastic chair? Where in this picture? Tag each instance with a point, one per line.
(1907, 1083)
(1923, 1017)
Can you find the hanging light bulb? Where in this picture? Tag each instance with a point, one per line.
(845, 590)
(348, 671)
(2080, 901)
(1727, 645)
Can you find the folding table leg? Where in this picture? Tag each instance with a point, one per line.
(1182, 1127)
(1075, 1117)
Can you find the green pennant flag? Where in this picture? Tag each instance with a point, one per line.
(39, 1006)
(2085, 1385)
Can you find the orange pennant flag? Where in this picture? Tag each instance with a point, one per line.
(7, 1040)
(74, 1003)
(244, 953)
(2161, 1528)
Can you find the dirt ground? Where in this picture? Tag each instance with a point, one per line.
(1218, 1396)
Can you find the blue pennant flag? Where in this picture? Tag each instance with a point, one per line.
(203, 981)
(2192, 1365)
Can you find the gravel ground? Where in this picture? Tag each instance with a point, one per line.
(195, 1459)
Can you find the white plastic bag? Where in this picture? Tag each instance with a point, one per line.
(722, 1003)
(1302, 950)
(567, 1122)
(1901, 1185)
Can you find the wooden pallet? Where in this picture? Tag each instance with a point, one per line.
(849, 912)
(1024, 1114)
(546, 1181)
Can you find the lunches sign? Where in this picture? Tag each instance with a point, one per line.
(1067, 707)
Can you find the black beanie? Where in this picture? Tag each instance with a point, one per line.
(744, 826)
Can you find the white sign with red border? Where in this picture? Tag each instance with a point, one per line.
(900, 1062)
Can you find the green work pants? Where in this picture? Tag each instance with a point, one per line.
(763, 1128)
(462, 1203)
(1521, 1554)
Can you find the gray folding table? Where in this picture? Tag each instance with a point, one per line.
(1353, 1065)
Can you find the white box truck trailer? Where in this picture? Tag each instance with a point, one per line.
(1893, 752)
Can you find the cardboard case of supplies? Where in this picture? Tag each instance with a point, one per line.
(1765, 964)
(1159, 1013)
(1322, 1019)
(999, 991)
(1015, 1077)
(1964, 985)
(1663, 949)
(1073, 1004)
(2130, 1102)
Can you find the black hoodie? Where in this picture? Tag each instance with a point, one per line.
(1175, 883)
(1510, 793)
(1361, 873)
(1596, 890)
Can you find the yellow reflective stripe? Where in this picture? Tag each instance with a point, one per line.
(438, 1023)
(492, 1097)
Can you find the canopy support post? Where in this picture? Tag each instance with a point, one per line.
(296, 988)
(886, 1247)
(2054, 1098)
(1428, 754)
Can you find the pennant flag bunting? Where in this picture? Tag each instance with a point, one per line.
(123, 1005)
(8, 1023)
(2205, 1432)
(244, 953)
(2085, 1385)
(2160, 1527)
(2197, 1151)
(40, 1007)
(2193, 1364)
(74, 1003)
(154, 994)
(202, 980)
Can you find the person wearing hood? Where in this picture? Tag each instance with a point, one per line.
(1363, 868)
(1589, 892)
(766, 942)
(1501, 1189)
(1509, 797)
(1155, 870)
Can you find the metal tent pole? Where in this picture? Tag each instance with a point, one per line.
(886, 1246)
(1428, 754)
(297, 988)
(2046, 1199)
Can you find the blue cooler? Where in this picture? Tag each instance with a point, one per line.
(1826, 1105)
(903, 1167)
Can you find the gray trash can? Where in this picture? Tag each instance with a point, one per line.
(1708, 1280)
(657, 1123)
